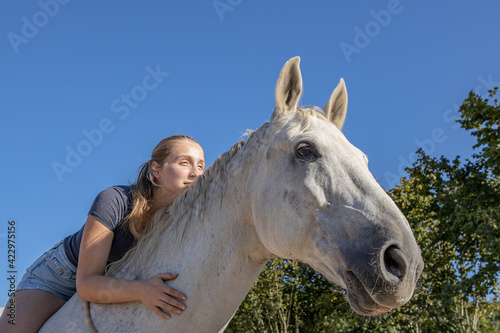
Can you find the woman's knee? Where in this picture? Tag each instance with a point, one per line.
(28, 310)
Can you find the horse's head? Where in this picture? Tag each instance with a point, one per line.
(315, 200)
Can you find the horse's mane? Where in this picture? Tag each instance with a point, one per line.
(189, 205)
(181, 210)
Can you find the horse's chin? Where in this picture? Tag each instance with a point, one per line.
(360, 300)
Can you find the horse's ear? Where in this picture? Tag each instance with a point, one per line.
(289, 87)
(336, 107)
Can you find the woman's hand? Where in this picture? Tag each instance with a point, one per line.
(160, 298)
(92, 286)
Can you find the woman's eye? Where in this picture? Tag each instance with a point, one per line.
(306, 152)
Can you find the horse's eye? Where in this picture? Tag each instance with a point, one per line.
(306, 152)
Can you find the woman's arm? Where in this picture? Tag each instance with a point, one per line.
(92, 286)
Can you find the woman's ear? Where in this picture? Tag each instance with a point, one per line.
(155, 166)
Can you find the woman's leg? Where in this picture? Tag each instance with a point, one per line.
(33, 308)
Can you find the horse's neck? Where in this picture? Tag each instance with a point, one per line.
(218, 259)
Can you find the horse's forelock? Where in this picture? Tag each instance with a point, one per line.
(302, 116)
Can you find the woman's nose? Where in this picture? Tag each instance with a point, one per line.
(195, 172)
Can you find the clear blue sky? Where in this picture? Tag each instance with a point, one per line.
(76, 79)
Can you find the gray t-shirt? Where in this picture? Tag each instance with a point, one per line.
(110, 208)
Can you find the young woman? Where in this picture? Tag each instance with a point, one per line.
(118, 217)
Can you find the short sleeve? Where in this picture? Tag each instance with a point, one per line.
(110, 206)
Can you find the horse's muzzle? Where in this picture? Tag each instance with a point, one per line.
(383, 283)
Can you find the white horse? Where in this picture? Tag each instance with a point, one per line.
(296, 189)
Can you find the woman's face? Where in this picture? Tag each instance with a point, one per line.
(185, 162)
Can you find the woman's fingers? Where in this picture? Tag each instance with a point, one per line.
(171, 305)
(173, 302)
(167, 276)
(160, 312)
(161, 298)
(167, 299)
(169, 290)
(174, 293)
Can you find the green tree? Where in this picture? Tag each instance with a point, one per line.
(454, 209)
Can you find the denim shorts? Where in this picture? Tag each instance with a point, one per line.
(52, 272)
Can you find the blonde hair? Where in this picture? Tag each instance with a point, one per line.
(144, 189)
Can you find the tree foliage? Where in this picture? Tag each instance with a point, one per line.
(453, 207)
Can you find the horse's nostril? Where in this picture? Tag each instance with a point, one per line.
(394, 262)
